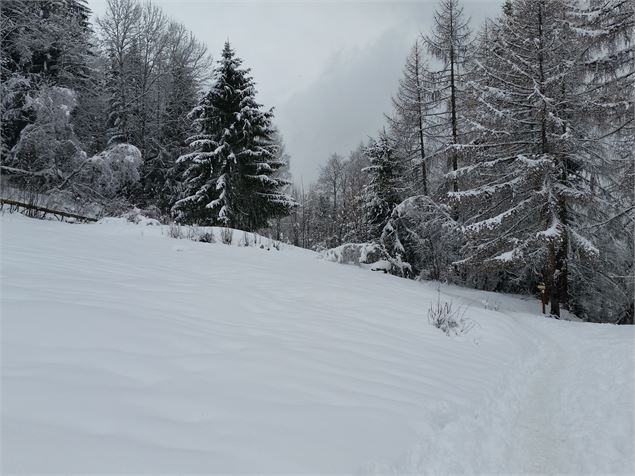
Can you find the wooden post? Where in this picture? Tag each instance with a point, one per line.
(543, 297)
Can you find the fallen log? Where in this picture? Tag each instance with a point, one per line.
(56, 213)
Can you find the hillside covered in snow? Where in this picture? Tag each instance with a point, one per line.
(127, 351)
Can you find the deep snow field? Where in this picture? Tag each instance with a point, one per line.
(126, 351)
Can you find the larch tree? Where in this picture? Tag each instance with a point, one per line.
(450, 44)
(528, 183)
(604, 287)
(409, 122)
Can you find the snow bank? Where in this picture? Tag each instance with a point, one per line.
(227, 236)
(366, 255)
(126, 351)
(203, 234)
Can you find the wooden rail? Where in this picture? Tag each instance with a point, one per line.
(56, 213)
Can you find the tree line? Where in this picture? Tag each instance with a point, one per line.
(132, 111)
(506, 163)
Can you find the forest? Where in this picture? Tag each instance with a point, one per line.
(505, 164)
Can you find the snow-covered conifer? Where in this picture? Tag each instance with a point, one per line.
(382, 191)
(230, 172)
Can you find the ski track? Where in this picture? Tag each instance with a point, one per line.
(126, 351)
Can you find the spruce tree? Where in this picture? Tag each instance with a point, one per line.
(382, 192)
(230, 172)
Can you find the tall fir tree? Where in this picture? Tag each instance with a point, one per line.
(382, 191)
(230, 173)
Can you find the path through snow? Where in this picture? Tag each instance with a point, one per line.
(543, 444)
(576, 381)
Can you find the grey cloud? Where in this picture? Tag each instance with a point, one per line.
(344, 106)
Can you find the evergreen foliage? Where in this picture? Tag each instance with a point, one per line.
(382, 191)
(230, 178)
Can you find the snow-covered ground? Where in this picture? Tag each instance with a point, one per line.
(126, 351)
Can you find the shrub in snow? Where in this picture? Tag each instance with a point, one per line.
(207, 238)
(174, 231)
(245, 239)
(226, 235)
(451, 320)
(493, 305)
(192, 233)
(48, 158)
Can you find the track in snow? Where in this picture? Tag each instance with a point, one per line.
(557, 426)
(543, 444)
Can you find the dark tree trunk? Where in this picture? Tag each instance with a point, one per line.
(424, 172)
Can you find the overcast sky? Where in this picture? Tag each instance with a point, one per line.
(328, 67)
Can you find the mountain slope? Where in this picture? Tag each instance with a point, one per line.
(124, 350)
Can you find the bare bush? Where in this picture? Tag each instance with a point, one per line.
(193, 233)
(451, 320)
(226, 236)
(246, 239)
(493, 305)
(207, 238)
(175, 231)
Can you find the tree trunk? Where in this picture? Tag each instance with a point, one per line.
(552, 280)
(424, 172)
(454, 160)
